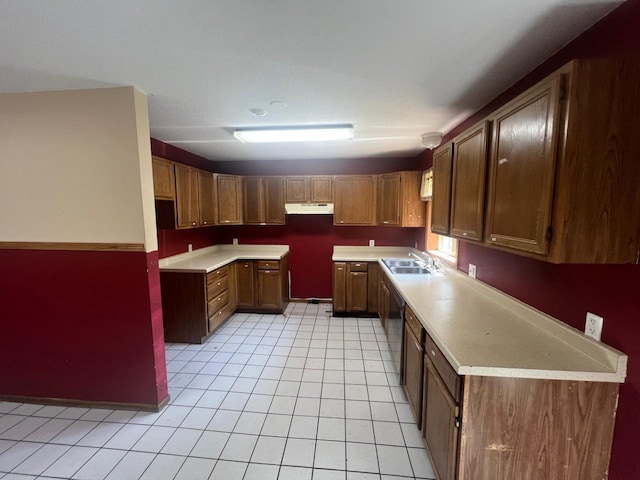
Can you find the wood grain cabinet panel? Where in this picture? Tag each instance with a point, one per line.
(441, 199)
(339, 287)
(264, 200)
(263, 285)
(296, 189)
(399, 202)
(389, 203)
(321, 189)
(413, 371)
(355, 287)
(246, 283)
(269, 291)
(186, 196)
(207, 199)
(164, 186)
(468, 183)
(357, 290)
(229, 199)
(309, 188)
(355, 200)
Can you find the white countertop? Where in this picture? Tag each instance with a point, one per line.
(205, 260)
(485, 332)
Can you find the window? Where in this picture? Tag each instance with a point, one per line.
(440, 246)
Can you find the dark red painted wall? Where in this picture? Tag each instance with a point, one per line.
(81, 325)
(567, 292)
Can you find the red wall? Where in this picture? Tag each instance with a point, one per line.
(567, 292)
(83, 326)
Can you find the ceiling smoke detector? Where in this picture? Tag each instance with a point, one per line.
(431, 140)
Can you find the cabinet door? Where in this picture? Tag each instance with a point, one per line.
(357, 285)
(467, 188)
(321, 189)
(522, 169)
(412, 208)
(441, 198)
(440, 424)
(186, 196)
(413, 372)
(355, 200)
(207, 198)
(372, 289)
(389, 199)
(269, 289)
(246, 285)
(229, 199)
(296, 189)
(253, 205)
(273, 192)
(163, 179)
(233, 286)
(339, 287)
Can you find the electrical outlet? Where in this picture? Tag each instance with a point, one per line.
(472, 270)
(190, 247)
(235, 241)
(372, 243)
(593, 326)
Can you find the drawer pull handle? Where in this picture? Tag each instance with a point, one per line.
(219, 283)
(502, 161)
(433, 352)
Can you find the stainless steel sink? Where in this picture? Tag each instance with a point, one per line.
(407, 266)
(410, 270)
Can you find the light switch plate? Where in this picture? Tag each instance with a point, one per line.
(472, 270)
(593, 326)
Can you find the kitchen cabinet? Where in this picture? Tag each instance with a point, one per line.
(186, 196)
(263, 285)
(355, 200)
(164, 183)
(413, 364)
(441, 197)
(480, 427)
(399, 201)
(314, 189)
(207, 198)
(354, 287)
(468, 182)
(194, 305)
(264, 200)
(560, 171)
(229, 199)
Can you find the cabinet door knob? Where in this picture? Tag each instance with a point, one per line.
(218, 283)
(386, 221)
(502, 161)
(433, 352)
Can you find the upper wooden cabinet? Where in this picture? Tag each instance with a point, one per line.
(355, 200)
(207, 198)
(229, 199)
(399, 201)
(186, 196)
(468, 183)
(264, 200)
(441, 199)
(164, 183)
(301, 189)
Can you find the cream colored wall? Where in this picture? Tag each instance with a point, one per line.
(74, 167)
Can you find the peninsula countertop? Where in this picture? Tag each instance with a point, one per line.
(205, 260)
(482, 331)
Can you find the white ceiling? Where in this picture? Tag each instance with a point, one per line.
(395, 69)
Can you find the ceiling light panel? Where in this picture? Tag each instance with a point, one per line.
(295, 134)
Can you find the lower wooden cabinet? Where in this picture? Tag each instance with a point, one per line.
(502, 428)
(195, 304)
(413, 364)
(355, 288)
(263, 285)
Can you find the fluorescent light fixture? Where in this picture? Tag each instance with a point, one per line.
(326, 133)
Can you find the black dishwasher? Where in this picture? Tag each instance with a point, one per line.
(395, 329)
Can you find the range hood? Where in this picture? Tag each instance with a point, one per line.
(309, 208)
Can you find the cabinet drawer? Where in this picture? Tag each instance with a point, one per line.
(446, 371)
(414, 324)
(220, 316)
(268, 264)
(217, 287)
(218, 273)
(217, 303)
(358, 266)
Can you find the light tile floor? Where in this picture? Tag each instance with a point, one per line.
(296, 396)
